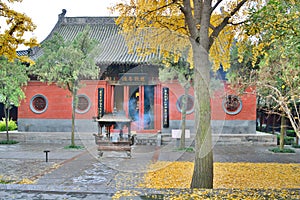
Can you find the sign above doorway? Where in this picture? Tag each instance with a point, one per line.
(133, 79)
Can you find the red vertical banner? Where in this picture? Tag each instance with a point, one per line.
(126, 101)
(112, 98)
(141, 107)
(157, 115)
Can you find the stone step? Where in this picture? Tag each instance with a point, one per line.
(146, 139)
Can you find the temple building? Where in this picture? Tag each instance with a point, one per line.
(127, 85)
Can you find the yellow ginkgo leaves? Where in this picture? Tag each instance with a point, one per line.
(226, 175)
(171, 180)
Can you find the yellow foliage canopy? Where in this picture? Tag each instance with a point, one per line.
(159, 26)
(16, 25)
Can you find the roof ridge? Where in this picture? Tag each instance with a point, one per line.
(89, 20)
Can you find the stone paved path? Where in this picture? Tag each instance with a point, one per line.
(80, 174)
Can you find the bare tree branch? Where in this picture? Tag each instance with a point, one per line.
(187, 11)
(162, 7)
(239, 23)
(215, 6)
(225, 21)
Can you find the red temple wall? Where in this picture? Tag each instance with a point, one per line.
(248, 111)
(59, 102)
(248, 99)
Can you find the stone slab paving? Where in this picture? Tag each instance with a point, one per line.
(81, 174)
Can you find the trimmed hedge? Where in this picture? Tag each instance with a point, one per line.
(285, 150)
(12, 125)
(290, 133)
(287, 140)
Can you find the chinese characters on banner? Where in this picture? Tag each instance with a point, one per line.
(166, 107)
(100, 102)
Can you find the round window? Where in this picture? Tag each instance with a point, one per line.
(232, 104)
(83, 104)
(38, 104)
(190, 104)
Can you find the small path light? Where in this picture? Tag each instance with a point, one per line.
(46, 151)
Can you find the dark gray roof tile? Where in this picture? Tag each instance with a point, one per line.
(112, 45)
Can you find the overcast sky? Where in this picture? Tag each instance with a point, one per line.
(44, 13)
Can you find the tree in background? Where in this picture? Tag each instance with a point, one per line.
(181, 72)
(272, 37)
(13, 76)
(12, 35)
(66, 63)
(208, 27)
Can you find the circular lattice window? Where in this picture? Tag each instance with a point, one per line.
(189, 106)
(38, 103)
(232, 104)
(83, 104)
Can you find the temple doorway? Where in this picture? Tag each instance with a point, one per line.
(141, 107)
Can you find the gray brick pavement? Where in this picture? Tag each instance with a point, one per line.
(77, 174)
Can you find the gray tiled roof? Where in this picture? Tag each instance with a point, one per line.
(22, 53)
(112, 45)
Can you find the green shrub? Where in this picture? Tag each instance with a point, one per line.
(11, 125)
(8, 142)
(290, 133)
(6, 181)
(287, 140)
(278, 150)
(187, 149)
(294, 145)
(73, 147)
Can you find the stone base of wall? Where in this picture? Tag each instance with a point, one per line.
(246, 139)
(56, 125)
(88, 125)
(224, 132)
(233, 126)
(219, 126)
(146, 139)
(49, 137)
(257, 138)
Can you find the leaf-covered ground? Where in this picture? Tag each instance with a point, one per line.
(215, 194)
(226, 175)
(231, 181)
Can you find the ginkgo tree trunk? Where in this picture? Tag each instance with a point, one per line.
(207, 26)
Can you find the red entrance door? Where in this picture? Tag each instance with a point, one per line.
(138, 103)
(141, 107)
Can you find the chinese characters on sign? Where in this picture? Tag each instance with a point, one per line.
(133, 78)
(100, 102)
(166, 107)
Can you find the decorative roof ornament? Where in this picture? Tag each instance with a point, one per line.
(62, 15)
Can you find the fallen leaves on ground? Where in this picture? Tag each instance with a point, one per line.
(28, 174)
(256, 175)
(26, 181)
(168, 175)
(253, 194)
(226, 175)
(208, 194)
(231, 181)
(125, 193)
